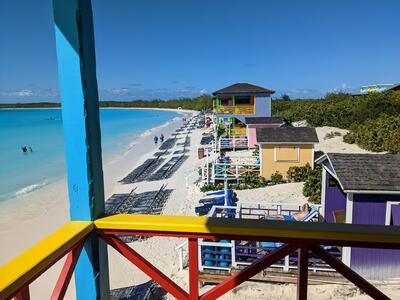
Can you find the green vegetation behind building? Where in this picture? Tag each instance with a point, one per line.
(373, 119)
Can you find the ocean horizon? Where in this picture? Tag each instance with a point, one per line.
(41, 129)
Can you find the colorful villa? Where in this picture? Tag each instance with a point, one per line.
(378, 88)
(283, 147)
(234, 103)
(363, 189)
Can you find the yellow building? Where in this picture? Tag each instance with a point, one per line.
(283, 147)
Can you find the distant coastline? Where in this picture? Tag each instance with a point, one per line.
(198, 103)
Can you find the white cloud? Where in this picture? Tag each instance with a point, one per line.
(19, 93)
(203, 91)
(120, 91)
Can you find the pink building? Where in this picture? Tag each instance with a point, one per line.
(260, 122)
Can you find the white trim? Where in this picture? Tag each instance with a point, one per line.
(312, 157)
(323, 192)
(321, 158)
(389, 210)
(286, 160)
(346, 252)
(372, 192)
(260, 157)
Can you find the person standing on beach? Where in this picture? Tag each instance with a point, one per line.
(162, 138)
(155, 140)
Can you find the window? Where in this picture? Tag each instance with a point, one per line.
(393, 213)
(242, 100)
(226, 101)
(287, 153)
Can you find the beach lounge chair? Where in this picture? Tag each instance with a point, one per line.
(203, 210)
(215, 196)
(311, 214)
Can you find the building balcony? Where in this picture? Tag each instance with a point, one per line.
(239, 131)
(236, 110)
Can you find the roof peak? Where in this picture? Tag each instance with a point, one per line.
(243, 88)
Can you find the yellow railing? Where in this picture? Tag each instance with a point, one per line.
(26, 267)
(236, 110)
(20, 271)
(239, 131)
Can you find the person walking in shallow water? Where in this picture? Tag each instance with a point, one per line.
(162, 138)
(155, 140)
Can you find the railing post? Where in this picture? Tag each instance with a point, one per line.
(23, 294)
(286, 264)
(80, 114)
(302, 273)
(193, 269)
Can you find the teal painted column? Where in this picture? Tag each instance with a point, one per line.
(80, 113)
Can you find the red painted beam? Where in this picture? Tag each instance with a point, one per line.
(146, 267)
(348, 273)
(193, 269)
(302, 273)
(66, 272)
(256, 267)
(23, 294)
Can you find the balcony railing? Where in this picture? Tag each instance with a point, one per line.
(234, 142)
(307, 238)
(236, 110)
(239, 131)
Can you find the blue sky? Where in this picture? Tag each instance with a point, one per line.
(149, 49)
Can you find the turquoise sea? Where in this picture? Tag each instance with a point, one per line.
(41, 129)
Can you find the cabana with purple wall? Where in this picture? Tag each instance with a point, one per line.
(252, 123)
(363, 189)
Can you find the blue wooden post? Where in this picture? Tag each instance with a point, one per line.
(80, 112)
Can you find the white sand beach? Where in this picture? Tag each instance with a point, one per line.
(26, 223)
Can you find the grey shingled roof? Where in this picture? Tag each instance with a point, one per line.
(287, 135)
(367, 172)
(243, 89)
(264, 120)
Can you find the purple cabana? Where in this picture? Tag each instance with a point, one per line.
(363, 189)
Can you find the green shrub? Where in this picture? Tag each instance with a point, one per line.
(339, 110)
(249, 181)
(298, 174)
(382, 134)
(276, 178)
(254, 180)
(211, 187)
(349, 138)
(312, 185)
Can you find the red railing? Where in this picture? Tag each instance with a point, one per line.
(305, 237)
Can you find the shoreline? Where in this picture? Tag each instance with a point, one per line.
(108, 107)
(36, 214)
(108, 156)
